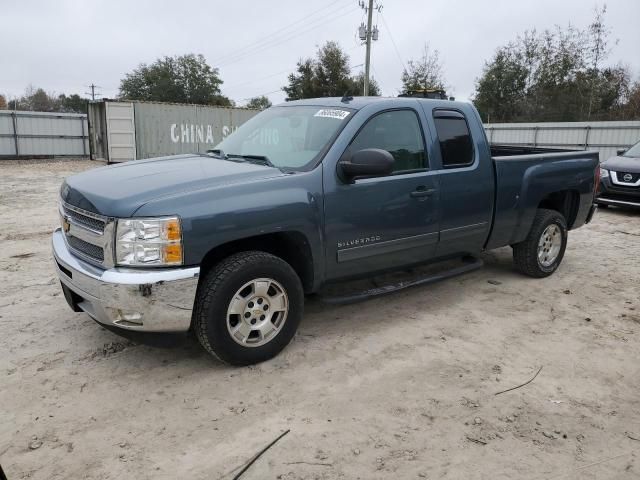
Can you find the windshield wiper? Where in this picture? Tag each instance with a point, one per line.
(217, 153)
(261, 159)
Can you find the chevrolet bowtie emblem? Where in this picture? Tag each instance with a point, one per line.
(65, 224)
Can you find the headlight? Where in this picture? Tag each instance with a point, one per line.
(149, 241)
(604, 173)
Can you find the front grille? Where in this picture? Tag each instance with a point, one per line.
(627, 190)
(87, 221)
(90, 250)
(88, 234)
(634, 177)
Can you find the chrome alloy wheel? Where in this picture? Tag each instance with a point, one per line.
(257, 312)
(549, 245)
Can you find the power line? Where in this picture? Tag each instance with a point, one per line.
(257, 79)
(263, 94)
(275, 33)
(378, 79)
(274, 36)
(306, 29)
(292, 34)
(393, 42)
(93, 91)
(273, 75)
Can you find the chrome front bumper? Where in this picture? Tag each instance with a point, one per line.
(151, 300)
(617, 202)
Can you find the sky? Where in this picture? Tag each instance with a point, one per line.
(63, 46)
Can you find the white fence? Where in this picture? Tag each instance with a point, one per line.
(43, 134)
(605, 137)
(34, 134)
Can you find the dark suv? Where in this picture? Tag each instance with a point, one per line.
(620, 179)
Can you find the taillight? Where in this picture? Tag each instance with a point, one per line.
(596, 179)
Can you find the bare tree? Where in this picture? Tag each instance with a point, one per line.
(559, 74)
(425, 72)
(598, 49)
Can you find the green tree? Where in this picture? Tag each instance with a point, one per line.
(597, 50)
(302, 83)
(259, 103)
(501, 88)
(332, 71)
(180, 79)
(358, 86)
(556, 75)
(37, 100)
(327, 75)
(73, 103)
(424, 73)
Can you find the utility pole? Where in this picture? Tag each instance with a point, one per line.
(93, 91)
(367, 34)
(367, 61)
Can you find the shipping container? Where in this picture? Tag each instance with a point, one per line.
(43, 134)
(122, 131)
(604, 137)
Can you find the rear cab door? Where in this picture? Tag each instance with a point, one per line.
(381, 223)
(466, 174)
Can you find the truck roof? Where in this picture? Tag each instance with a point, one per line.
(357, 103)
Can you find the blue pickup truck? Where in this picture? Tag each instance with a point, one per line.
(227, 243)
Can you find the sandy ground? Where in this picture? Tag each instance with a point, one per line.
(398, 387)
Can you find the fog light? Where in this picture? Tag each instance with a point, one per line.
(131, 317)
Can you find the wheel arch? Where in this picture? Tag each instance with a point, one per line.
(565, 202)
(291, 246)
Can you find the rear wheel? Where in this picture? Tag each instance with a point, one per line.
(540, 254)
(248, 308)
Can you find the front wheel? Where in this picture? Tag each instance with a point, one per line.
(540, 254)
(248, 308)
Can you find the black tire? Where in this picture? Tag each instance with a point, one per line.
(218, 287)
(525, 254)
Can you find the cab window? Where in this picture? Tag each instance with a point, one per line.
(399, 133)
(456, 147)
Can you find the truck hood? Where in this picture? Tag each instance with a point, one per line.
(622, 164)
(119, 190)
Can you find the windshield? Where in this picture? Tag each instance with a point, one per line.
(633, 151)
(291, 138)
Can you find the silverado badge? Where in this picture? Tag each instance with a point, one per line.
(358, 242)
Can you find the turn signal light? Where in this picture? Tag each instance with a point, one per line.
(172, 253)
(173, 229)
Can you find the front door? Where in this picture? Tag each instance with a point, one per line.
(384, 223)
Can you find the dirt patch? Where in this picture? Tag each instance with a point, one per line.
(401, 386)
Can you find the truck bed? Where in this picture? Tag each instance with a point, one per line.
(527, 178)
(500, 150)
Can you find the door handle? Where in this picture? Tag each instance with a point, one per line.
(422, 192)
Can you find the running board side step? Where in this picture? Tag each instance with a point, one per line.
(469, 264)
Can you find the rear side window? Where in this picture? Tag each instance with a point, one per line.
(399, 133)
(454, 137)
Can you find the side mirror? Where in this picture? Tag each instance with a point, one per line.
(621, 151)
(369, 162)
